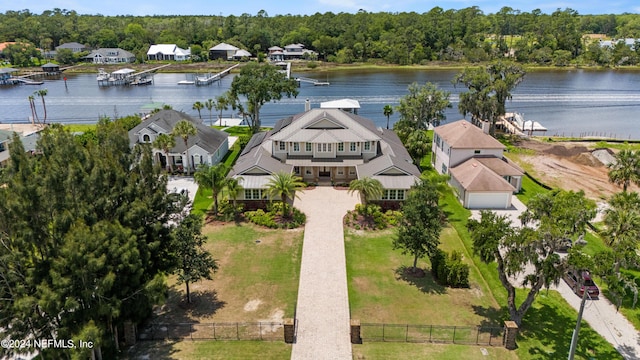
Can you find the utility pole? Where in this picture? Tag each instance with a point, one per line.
(574, 338)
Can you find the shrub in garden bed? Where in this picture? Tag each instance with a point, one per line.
(449, 270)
(273, 217)
(370, 217)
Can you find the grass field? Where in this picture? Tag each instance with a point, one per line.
(380, 292)
(257, 280)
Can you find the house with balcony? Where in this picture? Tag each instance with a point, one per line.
(110, 56)
(325, 147)
(168, 52)
(482, 176)
(208, 146)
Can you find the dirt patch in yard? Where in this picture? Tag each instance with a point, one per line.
(569, 166)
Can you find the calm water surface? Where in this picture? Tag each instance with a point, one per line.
(566, 102)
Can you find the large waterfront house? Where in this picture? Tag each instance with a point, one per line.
(291, 52)
(110, 56)
(482, 176)
(168, 52)
(227, 52)
(326, 146)
(208, 146)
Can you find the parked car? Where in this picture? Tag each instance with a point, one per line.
(578, 280)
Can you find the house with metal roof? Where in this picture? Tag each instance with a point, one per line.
(73, 46)
(222, 51)
(482, 176)
(326, 146)
(168, 52)
(208, 146)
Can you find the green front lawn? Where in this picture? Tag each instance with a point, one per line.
(380, 292)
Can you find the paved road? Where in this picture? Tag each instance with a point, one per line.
(322, 310)
(600, 314)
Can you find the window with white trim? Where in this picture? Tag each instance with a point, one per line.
(282, 146)
(308, 147)
(146, 138)
(296, 146)
(340, 146)
(367, 146)
(253, 194)
(393, 194)
(352, 147)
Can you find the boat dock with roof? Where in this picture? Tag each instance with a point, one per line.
(127, 76)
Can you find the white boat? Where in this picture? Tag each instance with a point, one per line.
(102, 75)
(186, 82)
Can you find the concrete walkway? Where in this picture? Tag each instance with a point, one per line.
(322, 310)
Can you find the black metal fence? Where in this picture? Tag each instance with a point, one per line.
(267, 331)
(470, 335)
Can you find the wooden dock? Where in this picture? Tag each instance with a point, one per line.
(127, 76)
(315, 82)
(210, 78)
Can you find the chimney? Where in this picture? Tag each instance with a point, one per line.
(307, 105)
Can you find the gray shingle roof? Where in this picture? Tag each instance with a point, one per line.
(164, 121)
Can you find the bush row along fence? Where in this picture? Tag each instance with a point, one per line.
(469, 335)
(267, 331)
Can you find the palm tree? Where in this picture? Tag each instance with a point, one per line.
(165, 143)
(209, 105)
(184, 129)
(387, 111)
(222, 103)
(214, 178)
(368, 188)
(626, 169)
(42, 93)
(284, 185)
(233, 189)
(34, 114)
(198, 106)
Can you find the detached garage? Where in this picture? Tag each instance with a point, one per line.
(479, 187)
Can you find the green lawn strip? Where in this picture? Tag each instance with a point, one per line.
(234, 350)
(402, 351)
(530, 189)
(379, 291)
(232, 155)
(79, 127)
(206, 350)
(547, 329)
(202, 201)
(458, 216)
(256, 264)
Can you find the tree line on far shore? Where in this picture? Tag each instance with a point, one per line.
(397, 38)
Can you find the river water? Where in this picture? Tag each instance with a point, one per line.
(575, 102)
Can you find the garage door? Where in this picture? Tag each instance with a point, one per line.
(488, 200)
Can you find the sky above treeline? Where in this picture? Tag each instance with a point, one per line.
(309, 7)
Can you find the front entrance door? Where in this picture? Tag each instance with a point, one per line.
(324, 172)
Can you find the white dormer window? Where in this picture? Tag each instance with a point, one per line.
(146, 138)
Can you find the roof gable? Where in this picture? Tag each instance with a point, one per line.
(472, 175)
(325, 123)
(462, 134)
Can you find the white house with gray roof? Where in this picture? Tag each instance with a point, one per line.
(482, 176)
(168, 52)
(110, 56)
(208, 146)
(326, 146)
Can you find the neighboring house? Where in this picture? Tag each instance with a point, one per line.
(482, 176)
(326, 146)
(168, 52)
(241, 54)
(222, 51)
(110, 56)
(73, 46)
(290, 52)
(630, 42)
(28, 140)
(208, 146)
(276, 53)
